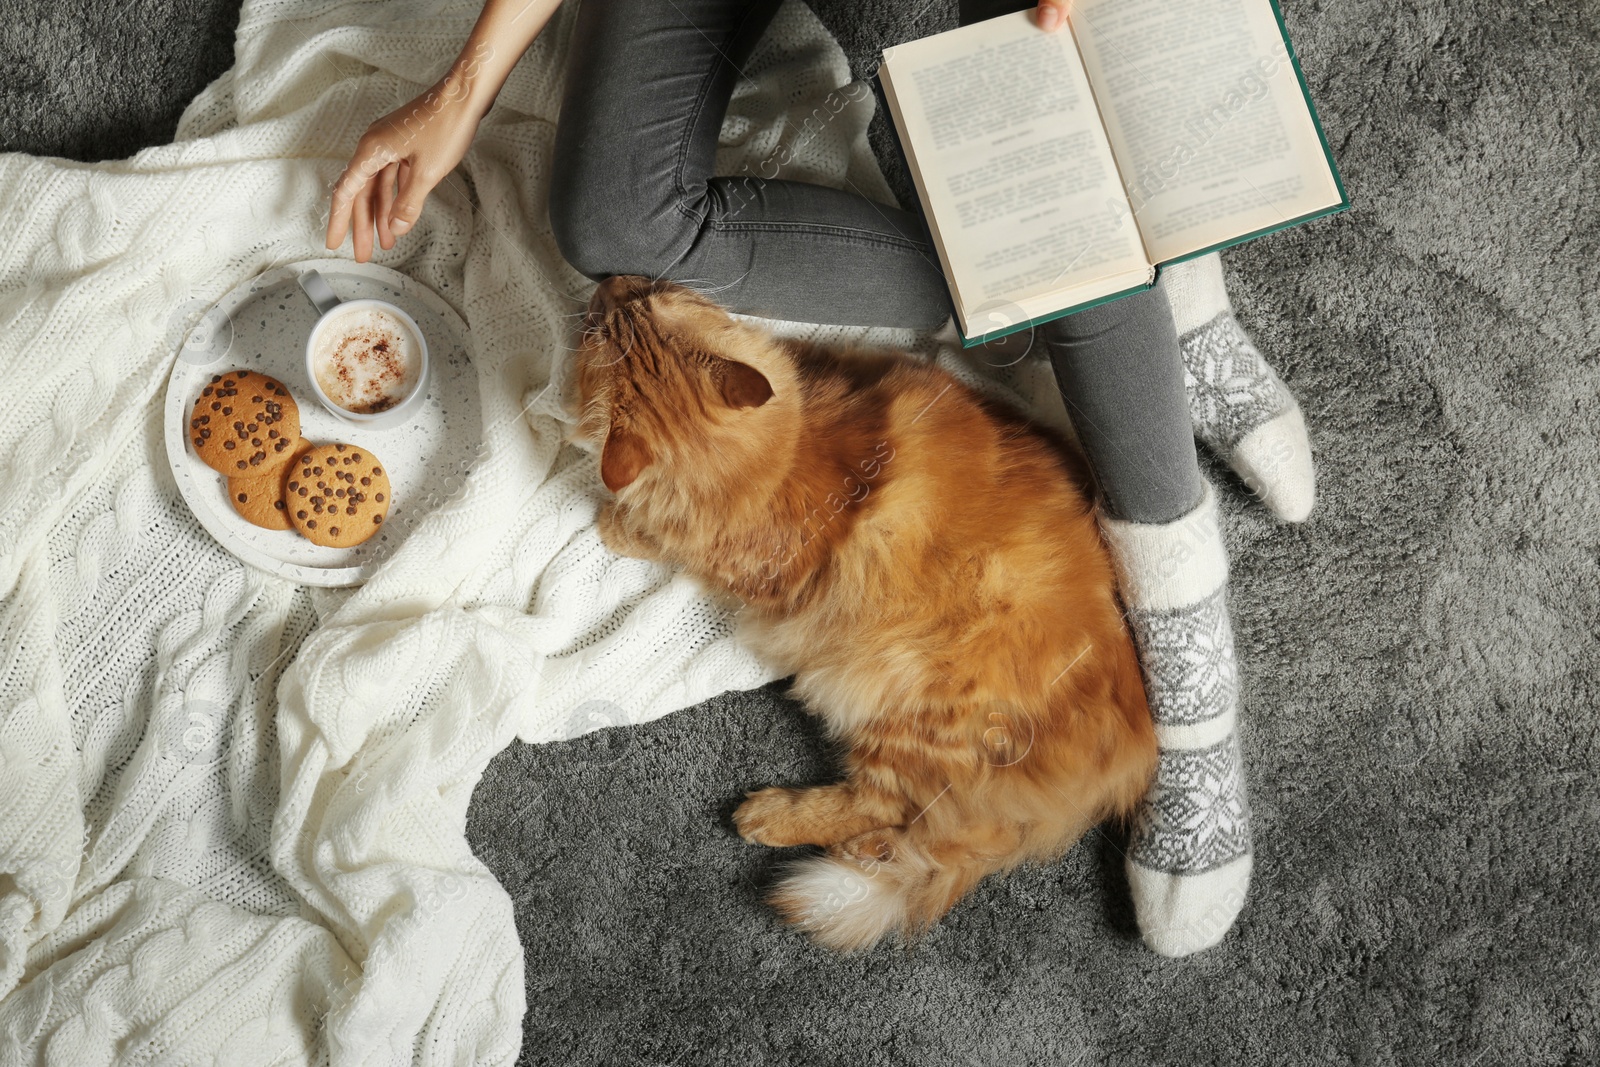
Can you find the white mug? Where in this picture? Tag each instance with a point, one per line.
(332, 309)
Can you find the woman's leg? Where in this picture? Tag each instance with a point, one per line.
(1241, 410)
(632, 191)
(1122, 376)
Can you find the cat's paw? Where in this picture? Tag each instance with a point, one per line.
(871, 848)
(767, 817)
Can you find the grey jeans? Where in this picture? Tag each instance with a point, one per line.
(632, 192)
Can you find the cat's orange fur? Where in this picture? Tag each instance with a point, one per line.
(924, 561)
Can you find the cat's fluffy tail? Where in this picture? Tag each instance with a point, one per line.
(848, 904)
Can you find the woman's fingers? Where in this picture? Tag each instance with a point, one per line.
(1052, 14)
(356, 189)
(386, 180)
(361, 238)
(407, 207)
(345, 191)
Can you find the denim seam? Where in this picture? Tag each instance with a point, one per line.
(814, 230)
(699, 108)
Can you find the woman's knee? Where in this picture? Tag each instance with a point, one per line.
(585, 230)
(604, 230)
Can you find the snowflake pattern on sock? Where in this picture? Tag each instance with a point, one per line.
(1190, 674)
(1196, 817)
(1232, 390)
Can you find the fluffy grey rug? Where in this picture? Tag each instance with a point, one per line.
(1419, 660)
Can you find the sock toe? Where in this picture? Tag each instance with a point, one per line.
(1274, 460)
(1181, 914)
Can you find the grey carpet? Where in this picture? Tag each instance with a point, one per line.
(1419, 660)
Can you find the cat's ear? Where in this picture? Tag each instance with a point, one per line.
(622, 458)
(741, 385)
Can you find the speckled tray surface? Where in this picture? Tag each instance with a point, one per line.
(262, 325)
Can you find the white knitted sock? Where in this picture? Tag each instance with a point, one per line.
(1239, 406)
(1189, 861)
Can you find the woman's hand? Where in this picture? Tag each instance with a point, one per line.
(406, 153)
(399, 160)
(1052, 14)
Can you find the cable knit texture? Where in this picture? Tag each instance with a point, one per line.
(234, 808)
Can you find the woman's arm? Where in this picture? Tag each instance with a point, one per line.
(406, 153)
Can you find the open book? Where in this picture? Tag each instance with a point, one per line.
(1058, 170)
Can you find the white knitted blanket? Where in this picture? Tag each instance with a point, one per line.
(233, 809)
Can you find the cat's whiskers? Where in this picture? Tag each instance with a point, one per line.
(694, 285)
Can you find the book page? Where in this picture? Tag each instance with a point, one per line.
(1017, 178)
(1206, 117)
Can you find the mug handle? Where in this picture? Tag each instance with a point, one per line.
(318, 291)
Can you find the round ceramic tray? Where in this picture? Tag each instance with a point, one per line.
(262, 326)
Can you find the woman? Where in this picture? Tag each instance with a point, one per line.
(648, 82)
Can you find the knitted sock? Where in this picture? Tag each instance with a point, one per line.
(1189, 862)
(1239, 406)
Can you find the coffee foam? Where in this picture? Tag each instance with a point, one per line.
(366, 360)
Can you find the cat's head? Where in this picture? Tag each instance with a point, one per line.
(672, 388)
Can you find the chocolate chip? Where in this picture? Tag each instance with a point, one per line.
(311, 523)
(334, 530)
(378, 497)
(229, 446)
(243, 499)
(377, 519)
(301, 514)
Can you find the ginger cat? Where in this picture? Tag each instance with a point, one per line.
(926, 564)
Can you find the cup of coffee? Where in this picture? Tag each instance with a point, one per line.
(367, 360)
